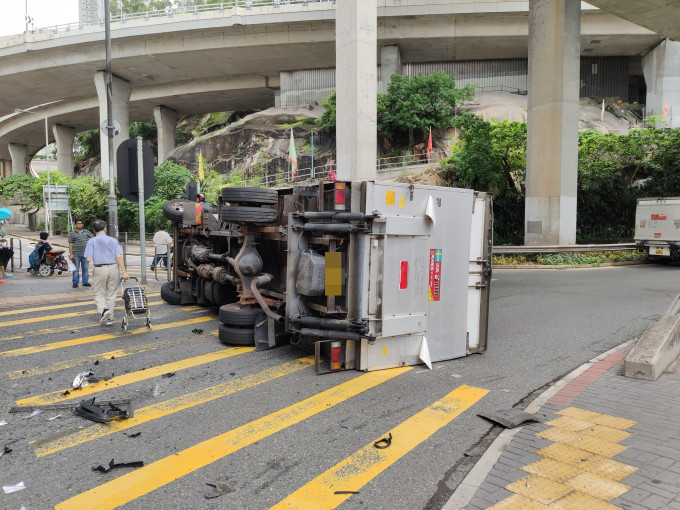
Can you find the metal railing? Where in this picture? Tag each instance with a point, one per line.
(572, 248)
(170, 12)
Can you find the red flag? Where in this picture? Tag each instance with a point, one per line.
(331, 175)
(429, 144)
(665, 111)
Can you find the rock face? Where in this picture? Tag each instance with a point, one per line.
(259, 143)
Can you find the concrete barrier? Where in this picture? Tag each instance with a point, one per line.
(658, 347)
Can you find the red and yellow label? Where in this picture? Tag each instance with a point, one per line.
(435, 275)
(658, 216)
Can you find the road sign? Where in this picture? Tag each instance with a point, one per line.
(126, 157)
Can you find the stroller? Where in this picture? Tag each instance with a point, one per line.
(47, 263)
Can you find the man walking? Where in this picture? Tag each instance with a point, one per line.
(161, 242)
(104, 251)
(77, 240)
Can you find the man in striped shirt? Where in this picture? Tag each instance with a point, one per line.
(77, 240)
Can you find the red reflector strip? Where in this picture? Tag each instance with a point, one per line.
(658, 216)
(403, 275)
(657, 234)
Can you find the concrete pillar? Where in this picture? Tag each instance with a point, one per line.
(64, 136)
(552, 138)
(357, 87)
(390, 63)
(661, 68)
(18, 154)
(121, 97)
(166, 123)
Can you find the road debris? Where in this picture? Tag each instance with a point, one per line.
(385, 442)
(346, 492)
(218, 489)
(54, 417)
(511, 418)
(136, 434)
(3, 422)
(105, 468)
(82, 379)
(8, 489)
(89, 410)
(197, 331)
(34, 413)
(476, 452)
(4, 450)
(169, 374)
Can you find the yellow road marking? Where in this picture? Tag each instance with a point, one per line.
(118, 353)
(358, 469)
(48, 446)
(98, 338)
(141, 375)
(59, 307)
(71, 327)
(132, 485)
(64, 316)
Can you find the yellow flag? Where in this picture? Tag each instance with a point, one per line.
(201, 174)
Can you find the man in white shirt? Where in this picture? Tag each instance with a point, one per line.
(161, 241)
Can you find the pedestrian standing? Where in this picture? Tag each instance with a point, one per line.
(104, 252)
(6, 254)
(161, 242)
(77, 240)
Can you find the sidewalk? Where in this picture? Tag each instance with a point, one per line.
(24, 288)
(608, 442)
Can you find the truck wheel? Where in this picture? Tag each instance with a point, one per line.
(249, 215)
(174, 209)
(254, 196)
(234, 314)
(236, 336)
(169, 295)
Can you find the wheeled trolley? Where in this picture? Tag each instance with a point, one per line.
(136, 306)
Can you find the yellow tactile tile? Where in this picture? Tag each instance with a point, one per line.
(597, 486)
(558, 435)
(571, 424)
(517, 502)
(614, 422)
(552, 470)
(607, 433)
(599, 446)
(539, 489)
(564, 453)
(579, 414)
(606, 468)
(580, 501)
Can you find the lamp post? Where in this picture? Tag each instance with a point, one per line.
(48, 213)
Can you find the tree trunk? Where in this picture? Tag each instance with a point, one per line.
(411, 139)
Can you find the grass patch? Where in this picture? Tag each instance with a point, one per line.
(568, 259)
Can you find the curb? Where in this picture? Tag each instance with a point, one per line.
(468, 487)
(571, 266)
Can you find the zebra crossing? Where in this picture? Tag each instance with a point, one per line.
(202, 410)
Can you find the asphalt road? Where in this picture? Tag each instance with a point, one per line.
(234, 418)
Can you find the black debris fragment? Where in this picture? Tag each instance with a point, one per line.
(232, 373)
(476, 452)
(385, 442)
(96, 362)
(218, 489)
(197, 331)
(169, 374)
(511, 418)
(136, 434)
(105, 468)
(346, 492)
(112, 357)
(4, 450)
(66, 393)
(90, 411)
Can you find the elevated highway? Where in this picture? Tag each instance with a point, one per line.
(232, 58)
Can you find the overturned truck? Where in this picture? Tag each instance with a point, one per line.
(367, 275)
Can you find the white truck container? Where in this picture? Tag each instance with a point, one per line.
(657, 227)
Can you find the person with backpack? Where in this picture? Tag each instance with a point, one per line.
(77, 240)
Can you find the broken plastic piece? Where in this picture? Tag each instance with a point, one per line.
(511, 418)
(54, 417)
(218, 489)
(35, 413)
(87, 409)
(13, 488)
(384, 442)
(4, 450)
(81, 379)
(105, 468)
(425, 353)
(3, 422)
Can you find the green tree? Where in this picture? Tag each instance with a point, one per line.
(420, 103)
(133, 6)
(86, 145)
(327, 119)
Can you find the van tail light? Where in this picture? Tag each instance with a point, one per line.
(336, 356)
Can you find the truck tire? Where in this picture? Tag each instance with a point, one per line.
(174, 209)
(229, 335)
(254, 196)
(249, 215)
(169, 295)
(234, 314)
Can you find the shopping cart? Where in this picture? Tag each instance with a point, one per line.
(136, 306)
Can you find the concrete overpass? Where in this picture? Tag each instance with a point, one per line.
(232, 59)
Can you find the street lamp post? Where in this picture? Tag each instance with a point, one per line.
(48, 212)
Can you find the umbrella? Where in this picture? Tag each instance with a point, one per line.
(5, 213)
